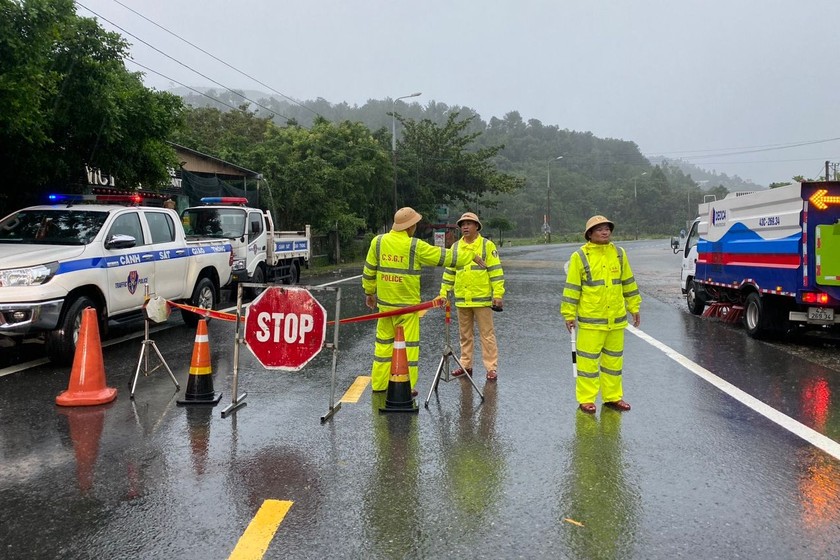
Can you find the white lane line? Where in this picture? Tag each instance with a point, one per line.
(24, 366)
(42, 361)
(810, 435)
(338, 281)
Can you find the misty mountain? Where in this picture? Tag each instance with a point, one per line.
(282, 110)
(708, 180)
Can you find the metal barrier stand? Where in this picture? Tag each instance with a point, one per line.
(334, 347)
(239, 339)
(237, 401)
(443, 366)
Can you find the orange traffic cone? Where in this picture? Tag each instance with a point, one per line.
(200, 383)
(87, 378)
(398, 397)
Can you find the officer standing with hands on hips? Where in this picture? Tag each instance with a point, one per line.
(600, 291)
(478, 292)
(391, 280)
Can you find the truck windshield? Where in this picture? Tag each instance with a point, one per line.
(214, 222)
(52, 227)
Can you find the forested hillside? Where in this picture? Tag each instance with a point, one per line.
(559, 176)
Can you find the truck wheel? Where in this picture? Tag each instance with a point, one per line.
(61, 343)
(204, 295)
(257, 278)
(696, 303)
(294, 274)
(755, 316)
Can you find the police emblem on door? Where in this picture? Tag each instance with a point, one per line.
(132, 281)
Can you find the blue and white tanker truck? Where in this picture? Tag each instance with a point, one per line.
(772, 255)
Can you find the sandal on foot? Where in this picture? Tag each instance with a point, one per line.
(619, 405)
(587, 407)
(491, 375)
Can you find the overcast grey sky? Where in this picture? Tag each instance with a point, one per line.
(722, 79)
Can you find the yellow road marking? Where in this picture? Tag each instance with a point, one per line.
(256, 538)
(354, 393)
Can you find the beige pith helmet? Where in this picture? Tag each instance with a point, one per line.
(471, 217)
(596, 221)
(405, 218)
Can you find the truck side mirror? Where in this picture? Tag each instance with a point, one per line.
(675, 244)
(120, 241)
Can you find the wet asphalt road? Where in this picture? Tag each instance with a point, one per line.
(690, 472)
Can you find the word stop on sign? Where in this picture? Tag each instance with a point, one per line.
(292, 327)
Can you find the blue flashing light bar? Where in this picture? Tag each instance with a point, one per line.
(68, 197)
(224, 200)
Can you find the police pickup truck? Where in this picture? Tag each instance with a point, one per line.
(58, 259)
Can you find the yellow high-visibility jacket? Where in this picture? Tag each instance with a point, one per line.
(600, 288)
(393, 265)
(475, 286)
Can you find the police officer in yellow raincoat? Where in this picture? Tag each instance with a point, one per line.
(600, 291)
(477, 289)
(391, 280)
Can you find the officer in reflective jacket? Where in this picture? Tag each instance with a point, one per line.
(600, 291)
(477, 290)
(391, 280)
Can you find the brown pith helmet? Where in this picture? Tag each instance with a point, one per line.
(471, 217)
(596, 221)
(405, 218)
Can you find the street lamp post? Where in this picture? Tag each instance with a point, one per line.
(394, 142)
(548, 198)
(634, 183)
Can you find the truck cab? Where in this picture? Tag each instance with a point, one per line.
(260, 253)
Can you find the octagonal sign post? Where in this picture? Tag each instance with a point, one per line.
(285, 328)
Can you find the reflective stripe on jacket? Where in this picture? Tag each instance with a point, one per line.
(475, 286)
(393, 266)
(600, 288)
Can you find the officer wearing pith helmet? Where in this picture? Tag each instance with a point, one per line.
(596, 221)
(600, 291)
(478, 291)
(391, 280)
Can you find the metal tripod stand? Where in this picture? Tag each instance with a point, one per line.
(443, 366)
(144, 353)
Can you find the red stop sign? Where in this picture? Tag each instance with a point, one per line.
(285, 328)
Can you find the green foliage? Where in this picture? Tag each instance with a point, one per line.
(441, 164)
(335, 177)
(67, 101)
(328, 175)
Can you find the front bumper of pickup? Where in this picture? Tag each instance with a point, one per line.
(18, 319)
(239, 276)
